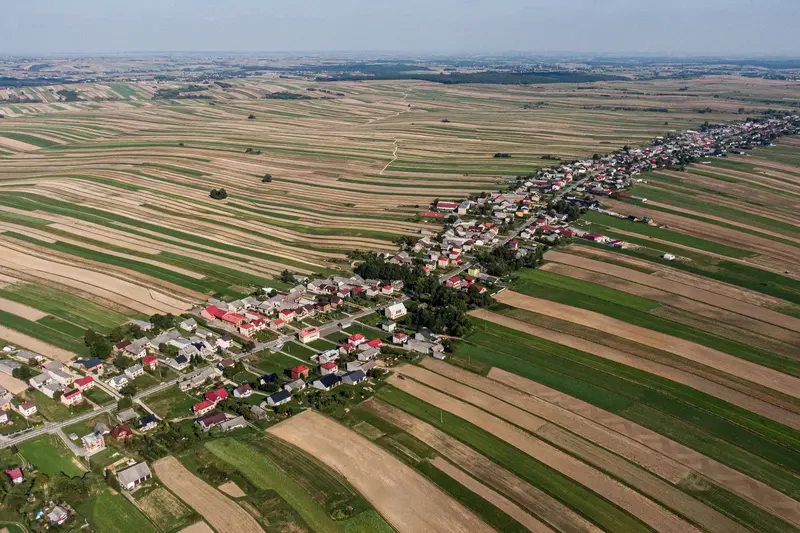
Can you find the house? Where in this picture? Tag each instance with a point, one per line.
(188, 325)
(211, 419)
(15, 476)
(248, 330)
(142, 325)
(117, 382)
(308, 335)
(287, 315)
(93, 443)
(134, 371)
(446, 206)
(84, 383)
(4, 418)
(326, 382)
(28, 357)
(57, 516)
(437, 351)
(7, 366)
(216, 396)
(356, 339)
(374, 343)
(453, 282)
(228, 362)
(387, 290)
(127, 414)
(258, 412)
(354, 378)
(368, 354)
(389, 327)
(225, 342)
(147, 423)
(134, 475)
(243, 391)
(179, 363)
(150, 362)
(299, 372)
(268, 378)
(101, 428)
(203, 407)
(233, 423)
(295, 385)
(136, 349)
(399, 338)
(72, 397)
(27, 408)
(336, 302)
(121, 432)
(328, 368)
(93, 365)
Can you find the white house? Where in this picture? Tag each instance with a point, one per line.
(393, 312)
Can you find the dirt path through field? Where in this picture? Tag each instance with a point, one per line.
(408, 501)
(702, 354)
(631, 501)
(770, 499)
(712, 388)
(222, 513)
(539, 503)
(498, 500)
(695, 293)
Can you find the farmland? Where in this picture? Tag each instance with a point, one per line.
(106, 207)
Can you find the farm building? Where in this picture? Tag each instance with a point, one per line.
(134, 475)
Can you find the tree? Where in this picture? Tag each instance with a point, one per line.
(218, 194)
(251, 117)
(128, 390)
(126, 402)
(57, 395)
(248, 346)
(267, 178)
(287, 276)
(24, 373)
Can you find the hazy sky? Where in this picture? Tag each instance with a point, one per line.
(678, 27)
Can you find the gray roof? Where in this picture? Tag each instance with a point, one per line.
(126, 415)
(133, 473)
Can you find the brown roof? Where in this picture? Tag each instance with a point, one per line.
(27, 404)
(121, 431)
(213, 418)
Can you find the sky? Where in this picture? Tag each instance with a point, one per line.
(603, 27)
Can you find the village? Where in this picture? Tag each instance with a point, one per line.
(247, 363)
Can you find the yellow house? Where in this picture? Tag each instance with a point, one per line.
(474, 272)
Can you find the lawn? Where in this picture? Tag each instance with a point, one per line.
(266, 475)
(268, 362)
(53, 410)
(322, 345)
(112, 513)
(298, 350)
(50, 456)
(98, 396)
(145, 381)
(171, 403)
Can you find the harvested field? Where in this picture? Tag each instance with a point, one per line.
(735, 397)
(389, 485)
(498, 500)
(12, 384)
(753, 490)
(232, 489)
(199, 527)
(222, 513)
(671, 286)
(702, 354)
(21, 310)
(20, 339)
(539, 503)
(634, 503)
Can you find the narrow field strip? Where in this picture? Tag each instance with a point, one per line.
(702, 354)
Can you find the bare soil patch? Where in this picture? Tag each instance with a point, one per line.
(222, 513)
(20, 339)
(12, 384)
(631, 501)
(547, 508)
(733, 480)
(712, 388)
(17, 145)
(408, 501)
(21, 310)
(232, 489)
(696, 352)
(498, 500)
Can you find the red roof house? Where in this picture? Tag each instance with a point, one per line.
(328, 368)
(202, 408)
(216, 396)
(375, 343)
(151, 362)
(15, 475)
(356, 339)
(86, 382)
(299, 372)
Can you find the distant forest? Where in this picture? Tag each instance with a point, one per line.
(503, 78)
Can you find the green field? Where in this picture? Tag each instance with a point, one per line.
(112, 513)
(171, 403)
(711, 426)
(267, 475)
(50, 456)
